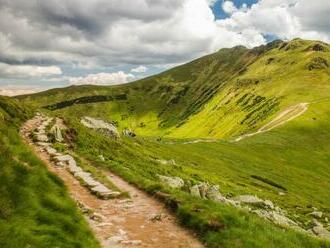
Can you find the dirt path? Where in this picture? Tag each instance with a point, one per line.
(139, 221)
(284, 117)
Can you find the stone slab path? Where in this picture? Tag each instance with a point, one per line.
(140, 221)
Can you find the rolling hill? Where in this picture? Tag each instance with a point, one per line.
(253, 121)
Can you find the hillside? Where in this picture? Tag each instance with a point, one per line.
(253, 121)
(35, 209)
(242, 88)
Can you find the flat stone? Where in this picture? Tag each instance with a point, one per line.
(104, 192)
(63, 158)
(42, 137)
(74, 169)
(51, 151)
(43, 144)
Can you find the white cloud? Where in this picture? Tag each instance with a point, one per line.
(139, 69)
(18, 90)
(27, 71)
(99, 33)
(211, 2)
(229, 7)
(114, 78)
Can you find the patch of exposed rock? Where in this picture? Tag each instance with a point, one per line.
(173, 182)
(100, 125)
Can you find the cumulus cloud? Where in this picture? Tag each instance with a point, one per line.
(229, 7)
(103, 79)
(139, 69)
(27, 71)
(8, 90)
(97, 33)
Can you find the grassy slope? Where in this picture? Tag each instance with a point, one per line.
(35, 209)
(264, 81)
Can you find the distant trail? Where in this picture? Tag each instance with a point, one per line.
(192, 142)
(137, 221)
(284, 117)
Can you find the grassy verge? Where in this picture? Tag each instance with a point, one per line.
(35, 208)
(218, 225)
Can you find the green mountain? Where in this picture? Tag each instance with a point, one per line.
(253, 121)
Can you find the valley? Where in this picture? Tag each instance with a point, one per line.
(233, 147)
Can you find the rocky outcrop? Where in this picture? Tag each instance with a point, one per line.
(173, 182)
(319, 230)
(56, 131)
(100, 125)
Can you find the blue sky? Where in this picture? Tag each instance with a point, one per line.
(58, 43)
(220, 14)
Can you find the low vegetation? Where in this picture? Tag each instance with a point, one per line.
(220, 97)
(35, 209)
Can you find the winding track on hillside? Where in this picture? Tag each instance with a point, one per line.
(285, 116)
(139, 221)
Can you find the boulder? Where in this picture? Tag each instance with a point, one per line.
(213, 194)
(194, 191)
(203, 187)
(320, 231)
(254, 201)
(317, 214)
(56, 131)
(173, 182)
(275, 217)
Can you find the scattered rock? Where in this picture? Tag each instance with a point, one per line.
(128, 133)
(275, 217)
(101, 157)
(213, 194)
(105, 127)
(63, 158)
(166, 162)
(317, 214)
(194, 190)
(173, 182)
(320, 231)
(97, 217)
(51, 151)
(56, 131)
(281, 193)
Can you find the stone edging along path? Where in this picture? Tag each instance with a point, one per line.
(117, 222)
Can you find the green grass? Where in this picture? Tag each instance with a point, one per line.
(35, 208)
(220, 96)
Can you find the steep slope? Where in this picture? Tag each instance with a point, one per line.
(35, 209)
(231, 92)
(227, 95)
